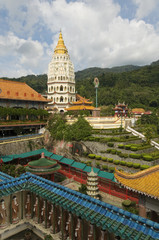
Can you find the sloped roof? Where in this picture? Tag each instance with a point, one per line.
(108, 217)
(145, 182)
(19, 91)
(80, 107)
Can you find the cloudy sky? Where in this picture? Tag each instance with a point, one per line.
(97, 33)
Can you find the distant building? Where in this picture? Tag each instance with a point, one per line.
(61, 79)
(121, 109)
(81, 103)
(15, 94)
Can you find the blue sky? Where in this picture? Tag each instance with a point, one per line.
(97, 33)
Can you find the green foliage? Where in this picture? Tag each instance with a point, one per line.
(123, 155)
(134, 148)
(121, 146)
(59, 129)
(48, 237)
(123, 163)
(143, 167)
(110, 160)
(110, 144)
(136, 165)
(129, 164)
(127, 147)
(97, 157)
(147, 158)
(113, 151)
(92, 156)
(116, 162)
(104, 167)
(111, 169)
(104, 159)
(135, 155)
(83, 189)
(126, 203)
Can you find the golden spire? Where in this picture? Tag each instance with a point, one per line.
(60, 48)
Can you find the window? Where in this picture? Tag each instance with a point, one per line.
(61, 99)
(61, 88)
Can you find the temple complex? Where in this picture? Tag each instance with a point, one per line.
(61, 78)
(146, 183)
(92, 184)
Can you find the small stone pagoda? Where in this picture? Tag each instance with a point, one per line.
(43, 167)
(92, 185)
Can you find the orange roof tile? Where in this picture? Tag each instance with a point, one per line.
(138, 110)
(81, 107)
(145, 182)
(19, 91)
(81, 99)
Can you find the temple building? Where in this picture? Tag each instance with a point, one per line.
(15, 94)
(43, 167)
(80, 104)
(121, 109)
(61, 79)
(146, 183)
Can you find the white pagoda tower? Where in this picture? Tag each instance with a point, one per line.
(61, 79)
(92, 184)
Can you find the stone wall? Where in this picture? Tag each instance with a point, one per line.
(18, 147)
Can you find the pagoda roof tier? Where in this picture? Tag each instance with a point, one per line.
(19, 91)
(60, 48)
(145, 182)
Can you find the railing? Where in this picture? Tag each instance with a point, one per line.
(140, 135)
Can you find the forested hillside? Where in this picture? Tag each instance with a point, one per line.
(137, 86)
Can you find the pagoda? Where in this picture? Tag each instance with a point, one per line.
(92, 185)
(61, 78)
(43, 167)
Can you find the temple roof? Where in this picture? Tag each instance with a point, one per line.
(80, 107)
(60, 48)
(138, 110)
(19, 91)
(145, 182)
(43, 166)
(103, 215)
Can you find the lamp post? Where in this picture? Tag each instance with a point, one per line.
(96, 84)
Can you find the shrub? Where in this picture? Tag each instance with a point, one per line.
(110, 144)
(129, 164)
(121, 146)
(98, 157)
(104, 167)
(85, 154)
(127, 147)
(97, 164)
(126, 203)
(92, 156)
(136, 165)
(88, 163)
(123, 163)
(123, 155)
(113, 151)
(108, 150)
(102, 151)
(134, 148)
(118, 152)
(147, 158)
(116, 162)
(135, 155)
(110, 160)
(143, 167)
(111, 169)
(104, 159)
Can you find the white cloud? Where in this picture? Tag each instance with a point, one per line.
(93, 31)
(145, 7)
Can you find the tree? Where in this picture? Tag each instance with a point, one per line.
(148, 134)
(81, 129)
(83, 189)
